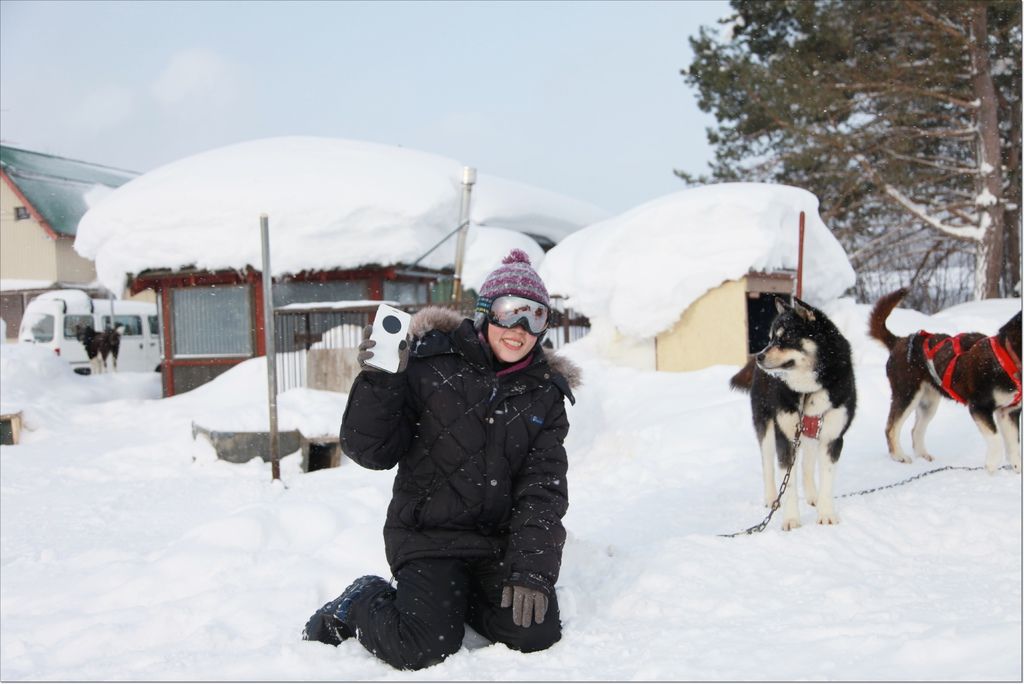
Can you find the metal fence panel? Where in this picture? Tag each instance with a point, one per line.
(298, 330)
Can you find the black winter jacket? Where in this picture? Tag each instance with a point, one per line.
(481, 466)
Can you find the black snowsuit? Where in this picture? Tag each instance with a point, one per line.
(479, 494)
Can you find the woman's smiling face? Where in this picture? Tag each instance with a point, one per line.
(510, 344)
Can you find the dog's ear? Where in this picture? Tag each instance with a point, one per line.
(803, 310)
(1012, 326)
(780, 305)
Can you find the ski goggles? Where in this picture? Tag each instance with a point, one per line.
(510, 311)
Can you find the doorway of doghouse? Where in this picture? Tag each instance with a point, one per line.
(762, 289)
(320, 452)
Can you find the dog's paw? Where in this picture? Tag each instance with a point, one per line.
(828, 519)
(928, 457)
(790, 524)
(900, 458)
(811, 499)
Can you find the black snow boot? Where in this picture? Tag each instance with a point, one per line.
(330, 624)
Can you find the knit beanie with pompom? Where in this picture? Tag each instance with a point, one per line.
(516, 277)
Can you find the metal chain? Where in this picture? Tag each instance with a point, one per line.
(785, 478)
(775, 506)
(785, 481)
(911, 479)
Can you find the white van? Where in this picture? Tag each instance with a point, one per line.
(52, 319)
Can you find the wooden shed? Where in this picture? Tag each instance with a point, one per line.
(689, 280)
(213, 320)
(349, 222)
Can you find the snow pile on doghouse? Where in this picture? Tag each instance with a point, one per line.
(641, 270)
(331, 203)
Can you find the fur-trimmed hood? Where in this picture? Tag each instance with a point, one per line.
(447, 320)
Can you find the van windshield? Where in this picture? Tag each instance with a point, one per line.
(39, 325)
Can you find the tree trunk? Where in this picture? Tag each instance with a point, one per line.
(989, 257)
(1011, 274)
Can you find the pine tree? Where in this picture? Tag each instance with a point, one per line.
(903, 117)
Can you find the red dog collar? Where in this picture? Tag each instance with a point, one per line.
(811, 426)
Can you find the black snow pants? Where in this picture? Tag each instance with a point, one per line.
(424, 621)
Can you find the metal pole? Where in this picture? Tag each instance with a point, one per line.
(800, 261)
(268, 338)
(468, 179)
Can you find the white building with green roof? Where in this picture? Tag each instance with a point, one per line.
(42, 199)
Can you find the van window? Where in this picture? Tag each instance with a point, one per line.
(40, 325)
(154, 325)
(132, 324)
(72, 322)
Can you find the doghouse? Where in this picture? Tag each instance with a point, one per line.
(725, 325)
(688, 280)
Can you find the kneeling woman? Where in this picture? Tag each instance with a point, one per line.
(475, 420)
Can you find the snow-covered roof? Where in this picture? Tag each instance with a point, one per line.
(24, 284)
(331, 203)
(642, 269)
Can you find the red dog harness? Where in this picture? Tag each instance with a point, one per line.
(1010, 364)
(947, 377)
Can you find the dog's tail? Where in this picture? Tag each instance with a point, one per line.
(876, 321)
(743, 380)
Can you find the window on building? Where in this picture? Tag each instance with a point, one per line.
(20, 213)
(212, 321)
(330, 291)
(405, 292)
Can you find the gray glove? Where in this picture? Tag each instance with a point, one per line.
(528, 605)
(367, 344)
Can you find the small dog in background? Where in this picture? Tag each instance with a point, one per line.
(802, 391)
(99, 346)
(970, 368)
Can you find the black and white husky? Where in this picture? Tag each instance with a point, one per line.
(802, 393)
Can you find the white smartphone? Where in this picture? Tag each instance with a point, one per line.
(390, 326)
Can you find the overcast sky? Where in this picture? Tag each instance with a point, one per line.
(582, 98)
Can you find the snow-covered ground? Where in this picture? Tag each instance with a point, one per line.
(130, 552)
